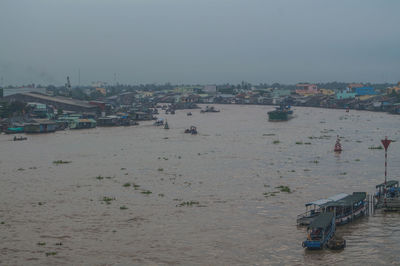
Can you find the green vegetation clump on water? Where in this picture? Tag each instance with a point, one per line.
(375, 148)
(107, 200)
(188, 203)
(284, 189)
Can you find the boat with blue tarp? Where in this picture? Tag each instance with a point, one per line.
(320, 231)
(387, 196)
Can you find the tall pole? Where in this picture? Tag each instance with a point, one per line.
(385, 166)
(386, 143)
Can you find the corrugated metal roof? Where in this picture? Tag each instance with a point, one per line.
(322, 221)
(323, 201)
(349, 200)
(389, 183)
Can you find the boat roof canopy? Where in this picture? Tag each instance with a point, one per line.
(390, 183)
(349, 200)
(323, 201)
(322, 221)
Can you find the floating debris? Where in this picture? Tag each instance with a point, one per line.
(61, 162)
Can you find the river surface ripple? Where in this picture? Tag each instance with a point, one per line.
(223, 171)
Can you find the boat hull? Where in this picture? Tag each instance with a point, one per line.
(276, 116)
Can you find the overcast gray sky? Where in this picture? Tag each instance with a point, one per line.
(202, 41)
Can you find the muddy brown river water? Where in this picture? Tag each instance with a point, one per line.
(207, 204)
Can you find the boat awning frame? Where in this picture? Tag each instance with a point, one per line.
(324, 201)
(390, 183)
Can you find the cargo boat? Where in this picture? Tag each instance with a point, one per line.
(281, 113)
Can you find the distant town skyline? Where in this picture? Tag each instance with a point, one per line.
(199, 42)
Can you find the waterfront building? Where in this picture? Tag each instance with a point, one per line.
(306, 89)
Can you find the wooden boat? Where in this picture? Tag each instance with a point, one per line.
(281, 113)
(209, 109)
(387, 196)
(159, 122)
(14, 130)
(192, 130)
(320, 231)
(336, 243)
(314, 208)
(19, 138)
(349, 208)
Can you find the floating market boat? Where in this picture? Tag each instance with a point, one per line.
(387, 196)
(348, 208)
(19, 138)
(209, 109)
(14, 130)
(281, 113)
(159, 122)
(320, 231)
(314, 208)
(192, 130)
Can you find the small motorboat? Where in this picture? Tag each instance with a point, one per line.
(19, 138)
(166, 126)
(159, 122)
(189, 114)
(192, 130)
(336, 243)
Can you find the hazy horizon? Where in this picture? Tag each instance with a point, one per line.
(198, 42)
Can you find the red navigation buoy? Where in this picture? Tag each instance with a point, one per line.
(338, 146)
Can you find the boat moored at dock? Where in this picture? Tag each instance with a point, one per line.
(320, 231)
(314, 208)
(387, 196)
(349, 208)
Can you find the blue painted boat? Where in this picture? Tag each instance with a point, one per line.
(320, 231)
